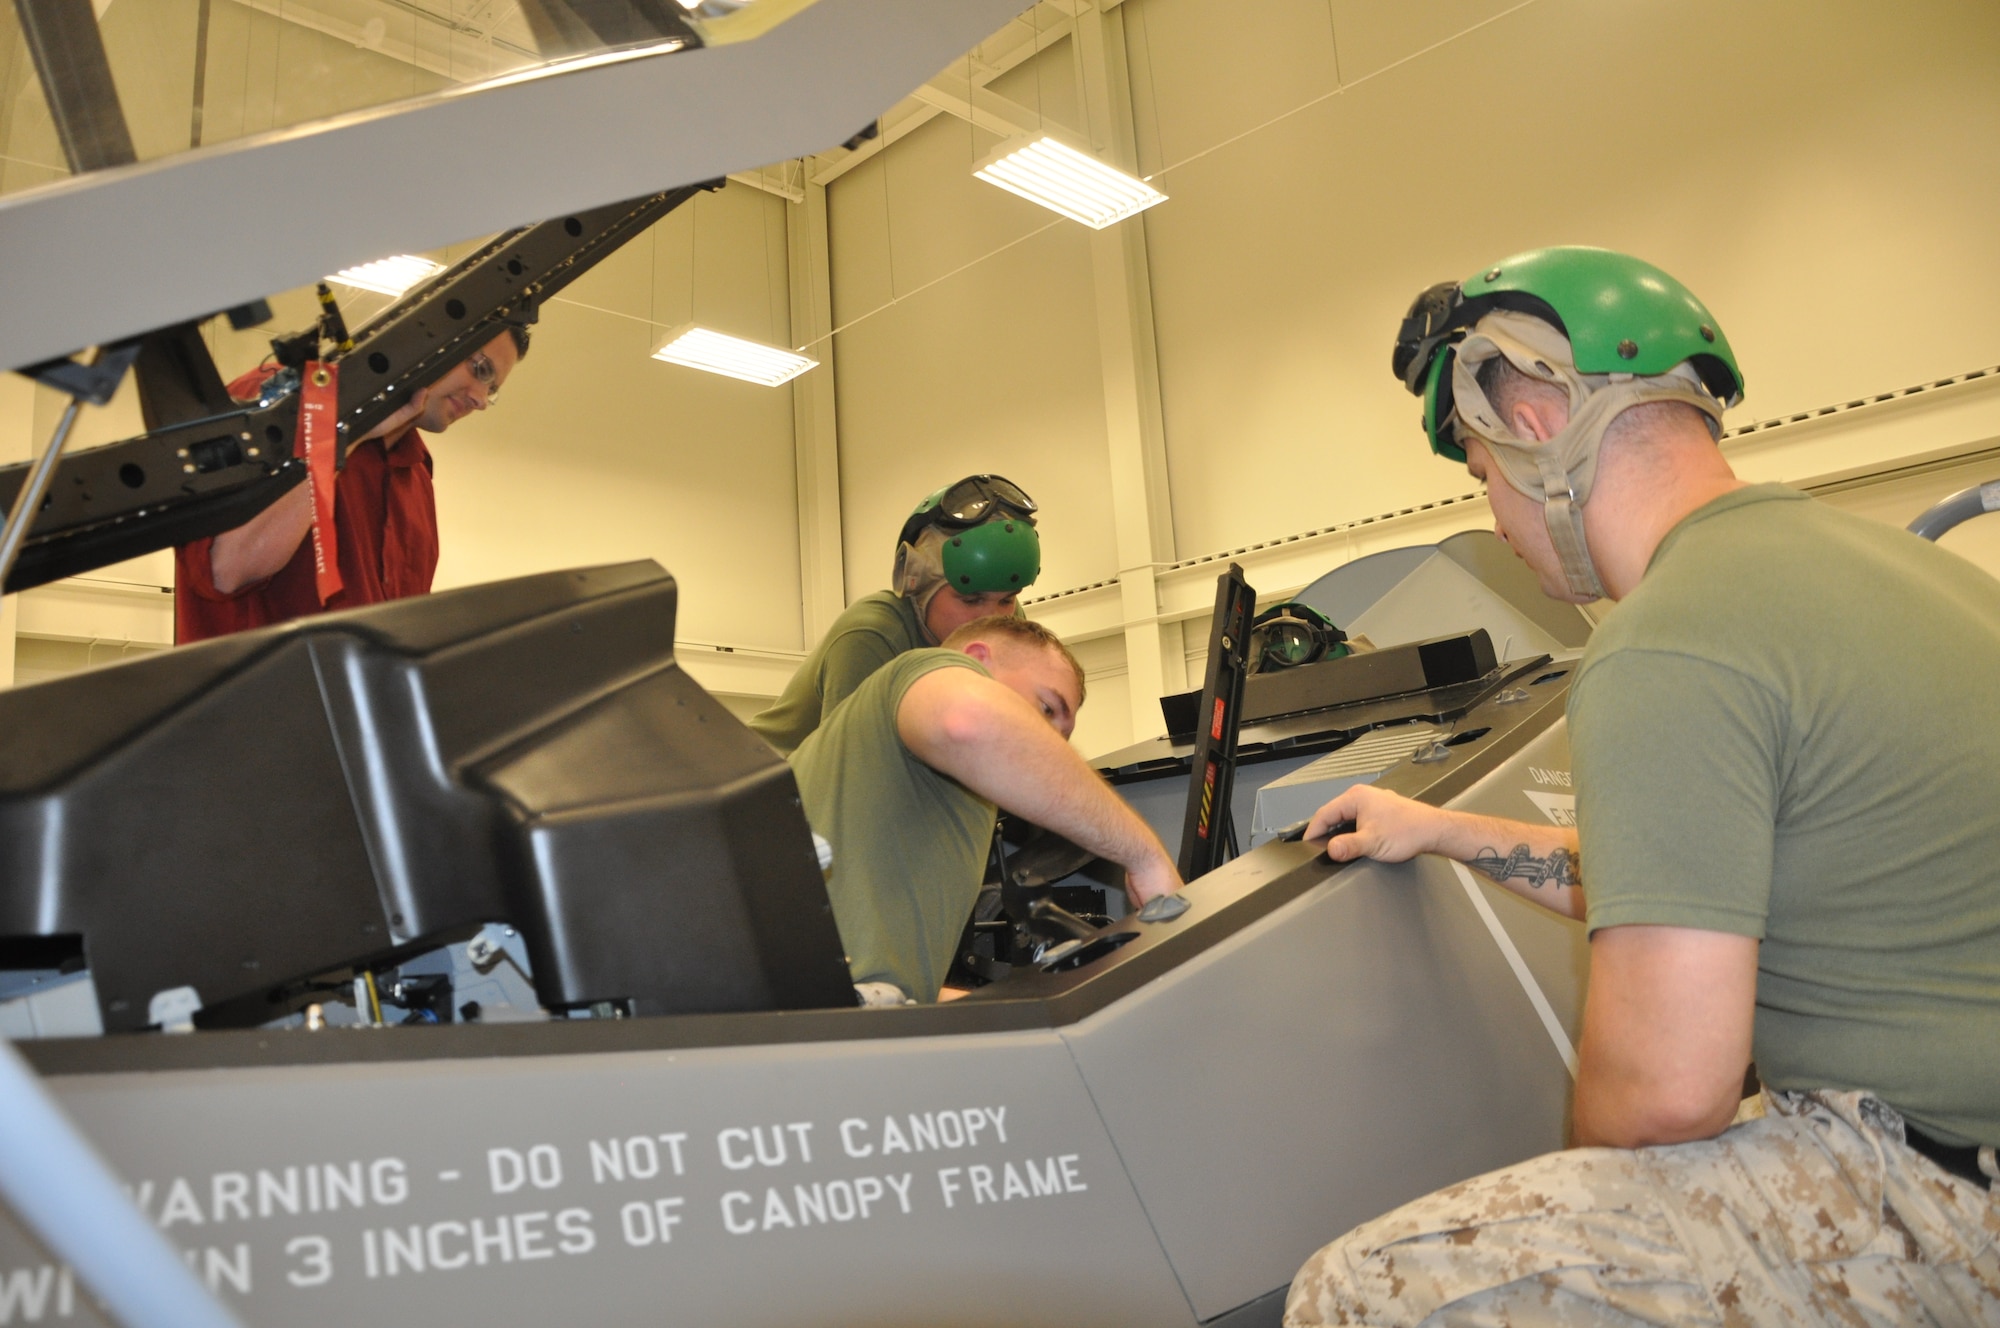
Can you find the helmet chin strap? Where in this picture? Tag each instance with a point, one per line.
(1563, 515)
(919, 575)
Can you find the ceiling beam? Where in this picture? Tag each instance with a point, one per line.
(980, 106)
(473, 54)
(1025, 36)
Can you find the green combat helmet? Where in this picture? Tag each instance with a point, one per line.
(988, 525)
(1610, 330)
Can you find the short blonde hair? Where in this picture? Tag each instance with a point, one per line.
(1018, 631)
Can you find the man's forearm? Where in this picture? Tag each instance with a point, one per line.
(992, 742)
(259, 548)
(1036, 775)
(1541, 863)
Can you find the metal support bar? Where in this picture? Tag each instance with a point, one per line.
(1134, 421)
(95, 380)
(1960, 507)
(76, 81)
(30, 496)
(979, 105)
(815, 425)
(60, 1187)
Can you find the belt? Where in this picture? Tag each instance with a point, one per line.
(1959, 1160)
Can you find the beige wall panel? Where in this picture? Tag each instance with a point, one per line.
(1105, 723)
(992, 369)
(1373, 36)
(858, 248)
(915, 213)
(1900, 501)
(597, 454)
(1201, 75)
(1823, 178)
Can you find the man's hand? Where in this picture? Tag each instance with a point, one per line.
(402, 419)
(1666, 1035)
(994, 742)
(1540, 863)
(1388, 827)
(1158, 877)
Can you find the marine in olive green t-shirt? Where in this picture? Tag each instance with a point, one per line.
(868, 634)
(1787, 731)
(909, 844)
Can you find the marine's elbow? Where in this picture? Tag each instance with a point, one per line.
(1663, 1115)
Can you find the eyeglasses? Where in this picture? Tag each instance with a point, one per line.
(974, 498)
(480, 366)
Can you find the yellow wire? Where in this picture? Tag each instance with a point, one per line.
(374, 999)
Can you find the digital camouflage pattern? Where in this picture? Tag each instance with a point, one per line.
(1815, 1214)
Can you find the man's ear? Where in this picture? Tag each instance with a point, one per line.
(979, 650)
(1539, 420)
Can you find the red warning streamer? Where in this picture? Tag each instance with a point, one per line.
(319, 410)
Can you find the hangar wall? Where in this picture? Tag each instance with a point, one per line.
(1820, 174)
(1208, 379)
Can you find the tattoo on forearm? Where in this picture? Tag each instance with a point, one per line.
(1559, 868)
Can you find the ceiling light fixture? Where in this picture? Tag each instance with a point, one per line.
(718, 352)
(1062, 179)
(388, 276)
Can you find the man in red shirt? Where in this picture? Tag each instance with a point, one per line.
(385, 518)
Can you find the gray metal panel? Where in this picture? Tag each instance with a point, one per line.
(1267, 1311)
(1487, 557)
(1346, 592)
(59, 1005)
(123, 251)
(1440, 597)
(1162, 801)
(1536, 786)
(1010, 1260)
(1358, 1048)
(1286, 801)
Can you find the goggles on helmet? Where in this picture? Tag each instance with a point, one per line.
(970, 502)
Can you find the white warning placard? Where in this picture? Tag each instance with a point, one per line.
(1560, 808)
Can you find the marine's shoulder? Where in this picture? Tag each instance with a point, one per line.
(1767, 570)
(911, 665)
(1716, 566)
(880, 613)
(888, 683)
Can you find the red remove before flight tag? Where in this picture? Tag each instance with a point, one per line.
(319, 410)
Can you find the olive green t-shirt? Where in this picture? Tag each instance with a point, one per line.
(909, 844)
(1790, 730)
(868, 634)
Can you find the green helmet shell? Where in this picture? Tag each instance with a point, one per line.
(1003, 555)
(1621, 315)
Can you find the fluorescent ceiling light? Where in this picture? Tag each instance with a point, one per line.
(1065, 180)
(717, 352)
(388, 276)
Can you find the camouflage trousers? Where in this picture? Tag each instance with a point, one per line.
(1817, 1213)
